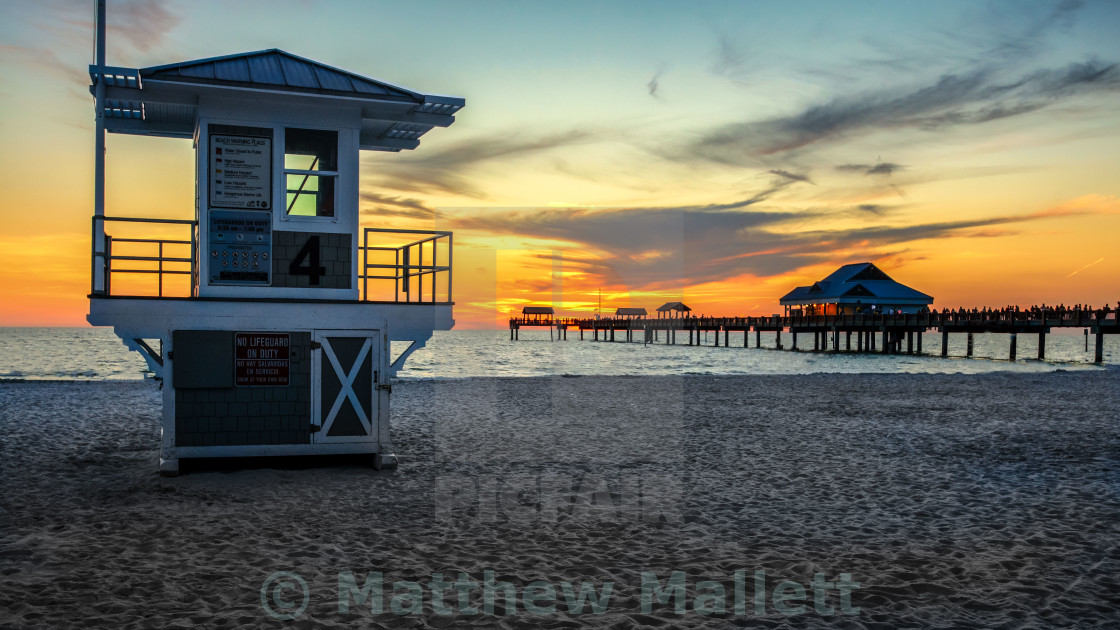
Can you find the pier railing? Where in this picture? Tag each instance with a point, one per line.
(893, 327)
(995, 321)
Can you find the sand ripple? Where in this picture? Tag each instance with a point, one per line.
(955, 502)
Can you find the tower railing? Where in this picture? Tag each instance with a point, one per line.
(156, 261)
(406, 265)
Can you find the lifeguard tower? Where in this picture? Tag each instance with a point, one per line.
(268, 316)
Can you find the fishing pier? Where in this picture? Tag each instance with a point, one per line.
(863, 333)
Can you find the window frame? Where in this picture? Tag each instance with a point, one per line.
(335, 175)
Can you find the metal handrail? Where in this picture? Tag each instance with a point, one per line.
(407, 271)
(107, 257)
(404, 269)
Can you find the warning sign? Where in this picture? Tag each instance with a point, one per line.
(261, 359)
(240, 172)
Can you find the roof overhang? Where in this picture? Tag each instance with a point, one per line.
(169, 107)
(863, 299)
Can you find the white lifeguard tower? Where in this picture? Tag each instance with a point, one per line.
(268, 316)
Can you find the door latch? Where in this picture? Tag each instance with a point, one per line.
(315, 345)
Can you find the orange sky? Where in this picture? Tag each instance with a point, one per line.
(698, 152)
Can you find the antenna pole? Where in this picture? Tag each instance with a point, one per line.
(98, 271)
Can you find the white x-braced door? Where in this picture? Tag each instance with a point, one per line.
(344, 403)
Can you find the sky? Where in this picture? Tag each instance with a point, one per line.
(633, 153)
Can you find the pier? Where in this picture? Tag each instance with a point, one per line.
(863, 333)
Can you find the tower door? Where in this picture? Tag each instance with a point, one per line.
(345, 366)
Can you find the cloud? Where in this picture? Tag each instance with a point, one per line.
(141, 23)
(652, 248)
(971, 98)
(873, 209)
(47, 62)
(728, 58)
(134, 26)
(1080, 269)
(397, 207)
(655, 83)
(794, 176)
(1029, 40)
(448, 169)
(882, 168)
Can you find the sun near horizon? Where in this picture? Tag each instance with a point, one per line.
(715, 154)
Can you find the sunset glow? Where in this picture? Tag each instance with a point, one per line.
(714, 153)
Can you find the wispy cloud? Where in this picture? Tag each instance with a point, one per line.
(1027, 41)
(134, 26)
(882, 168)
(654, 84)
(450, 169)
(1077, 271)
(874, 209)
(952, 100)
(46, 61)
(797, 177)
(653, 248)
(391, 206)
(728, 58)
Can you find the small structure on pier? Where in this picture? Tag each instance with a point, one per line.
(271, 311)
(541, 314)
(672, 309)
(626, 312)
(859, 288)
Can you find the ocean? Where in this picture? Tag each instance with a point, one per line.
(78, 354)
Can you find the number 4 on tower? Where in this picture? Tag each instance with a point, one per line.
(310, 254)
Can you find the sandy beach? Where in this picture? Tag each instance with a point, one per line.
(855, 501)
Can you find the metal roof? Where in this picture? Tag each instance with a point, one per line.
(276, 68)
(163, 100)
(856, 283)
(673, 306)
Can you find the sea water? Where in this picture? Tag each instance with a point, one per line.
(97, 354)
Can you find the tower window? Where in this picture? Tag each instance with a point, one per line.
(310, 172)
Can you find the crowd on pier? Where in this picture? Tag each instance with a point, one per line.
(1061, 312)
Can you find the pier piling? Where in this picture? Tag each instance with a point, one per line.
(894, 328)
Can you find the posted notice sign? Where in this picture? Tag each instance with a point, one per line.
(240, 172)
(261, 359)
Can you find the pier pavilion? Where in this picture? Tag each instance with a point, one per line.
(626, 312)
(268, 313)
(673, 310)
(538, 314)
(854, 289)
